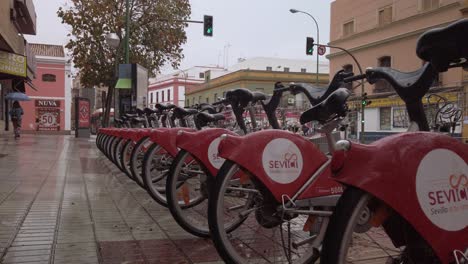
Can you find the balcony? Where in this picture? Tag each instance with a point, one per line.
(24, 14)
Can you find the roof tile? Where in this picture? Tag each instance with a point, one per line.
(47, 50)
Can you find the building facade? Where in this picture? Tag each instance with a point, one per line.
(384, 33)
(171, 88)
(49, 110)
(17, 63)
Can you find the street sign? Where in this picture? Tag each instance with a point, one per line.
(321, 50)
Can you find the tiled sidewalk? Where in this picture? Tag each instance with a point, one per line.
(60, 203)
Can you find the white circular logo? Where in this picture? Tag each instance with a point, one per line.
(442, 189)
(282, 160)
(215, 160)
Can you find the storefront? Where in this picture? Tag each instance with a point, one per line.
(49, 109)
(13, 73)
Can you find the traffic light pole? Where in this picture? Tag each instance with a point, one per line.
(361, 137)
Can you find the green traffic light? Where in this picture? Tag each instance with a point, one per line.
(209, 31)
(311, 50)
(364, 103)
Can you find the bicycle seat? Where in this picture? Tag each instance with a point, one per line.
(149, 111)
(128, 115)
(242, 97)
(138, 119)
(140, 111)
(207, 108)
(410, 86)
(333, 105)
(180, 112)
(321, 93)
(162, 107)
(206, 118)
(443, 46)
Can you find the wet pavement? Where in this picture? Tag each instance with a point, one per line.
(62, 202)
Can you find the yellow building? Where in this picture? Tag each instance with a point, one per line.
(255, 80)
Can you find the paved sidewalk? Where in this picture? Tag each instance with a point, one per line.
(60, 203)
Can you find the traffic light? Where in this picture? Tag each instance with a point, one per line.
(365, 102)
(310, 46)
(208, 26)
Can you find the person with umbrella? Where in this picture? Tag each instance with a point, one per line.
(16, 116)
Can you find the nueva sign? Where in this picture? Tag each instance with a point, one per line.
(12, 64)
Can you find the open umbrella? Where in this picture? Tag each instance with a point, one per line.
(16, 96)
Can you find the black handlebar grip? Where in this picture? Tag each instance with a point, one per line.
(354, 78)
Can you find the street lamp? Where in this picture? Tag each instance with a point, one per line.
(113, 40)
(318, 40)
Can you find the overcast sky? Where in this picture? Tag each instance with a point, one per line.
(252, 28)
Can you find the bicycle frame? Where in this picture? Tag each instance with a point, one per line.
(281, 165)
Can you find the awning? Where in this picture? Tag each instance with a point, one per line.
(31, 85)
(124, 83)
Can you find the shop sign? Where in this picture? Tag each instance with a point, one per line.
(47, 103)
(13, 64)
(48, 115)
(387, 102)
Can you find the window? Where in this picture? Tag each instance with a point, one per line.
(199, 99)
(286, 69)
(162, 96)
(48, 78)
(188, 102)
(427, 5)
(207, 100)
(268, 68)
(400, 117)
(157, 97)
(151, 98)
(385, 15)
(383, 86)
(348, 68)
(224, 95)
(215, 97)
(348, 28)
(169, 95)
(385, 118)
(303, 70)
(201, 75)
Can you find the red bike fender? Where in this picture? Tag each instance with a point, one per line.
(281, 160)
(203, 145)
(423, 177)
(167, 139)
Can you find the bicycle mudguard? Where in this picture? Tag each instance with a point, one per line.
(203, 145)
(281, 160)
(423, 177)
(166, 138)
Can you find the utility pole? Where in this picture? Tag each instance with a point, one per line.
(127, 32)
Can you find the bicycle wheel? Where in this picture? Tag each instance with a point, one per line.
(187, 188)
(125, 157)
(156, 164)
(351, 237)
(136, 159)
(262, 235)
(118, 152)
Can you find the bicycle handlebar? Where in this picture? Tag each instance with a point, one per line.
(355, 78)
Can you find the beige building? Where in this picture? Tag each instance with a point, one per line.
(17, 62)
(384, 33)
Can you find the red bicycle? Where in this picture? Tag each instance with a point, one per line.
(406, 195)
